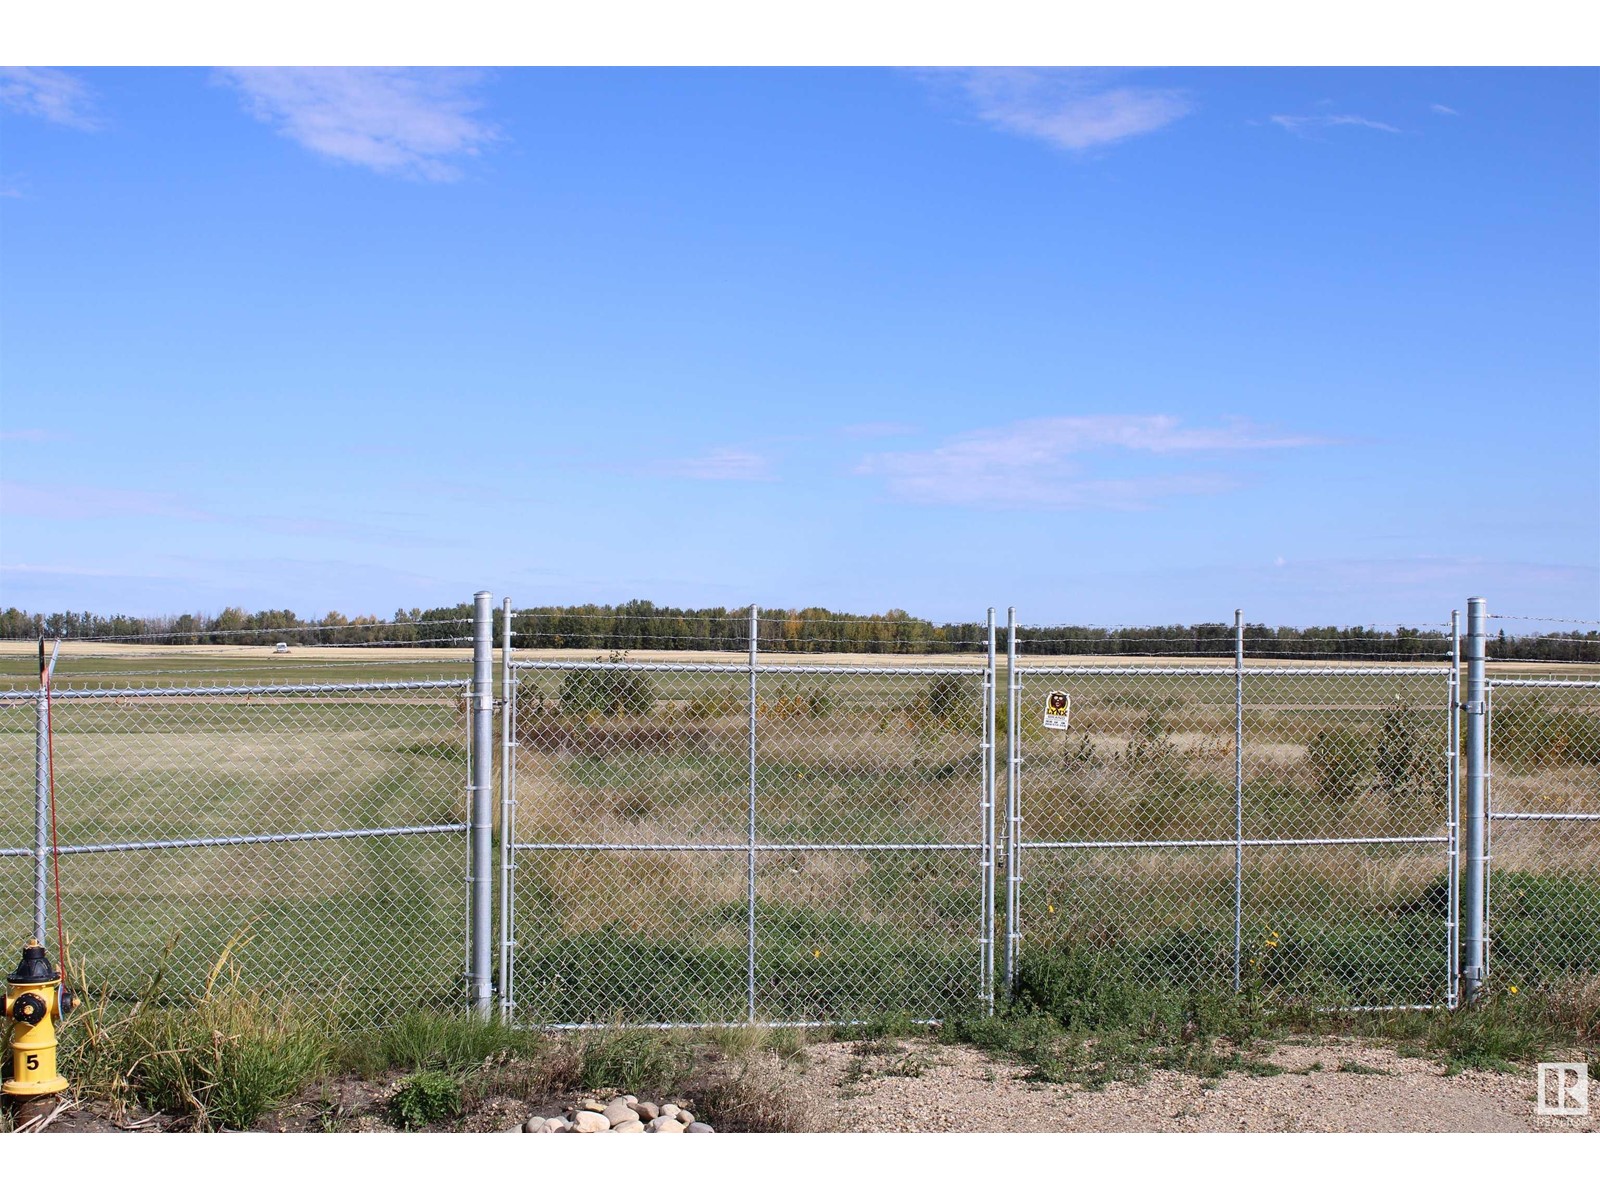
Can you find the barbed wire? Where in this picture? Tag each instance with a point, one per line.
(1575, 622)
(251, 632)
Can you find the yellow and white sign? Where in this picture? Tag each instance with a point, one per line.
(1057, 710)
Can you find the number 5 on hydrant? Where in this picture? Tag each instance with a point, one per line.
(35, 1000)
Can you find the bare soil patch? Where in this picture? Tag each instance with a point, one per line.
(1327, 1085)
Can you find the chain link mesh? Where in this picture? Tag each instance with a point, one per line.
(648, 889)
(1544, 805)
(288, 788)
(1152, 842)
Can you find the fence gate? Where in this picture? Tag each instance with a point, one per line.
(1544, 825)
(743, 842)
(311, 836)
(1289, 831)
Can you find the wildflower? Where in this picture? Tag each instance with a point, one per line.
(816, 952)
(1051, 907)
(1513, 989)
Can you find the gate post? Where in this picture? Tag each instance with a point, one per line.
(508, 800)
(750, 831)
(986, 937)
(1013, 803)
(1238, 799)
(1476, 709)
(41, 803)
(481, 809)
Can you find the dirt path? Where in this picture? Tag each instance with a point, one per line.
(1358, 1087)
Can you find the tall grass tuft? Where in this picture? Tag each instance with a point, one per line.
(225, 1061)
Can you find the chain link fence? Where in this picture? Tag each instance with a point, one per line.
(1283, 830)
(1544, 824)
(304, 836)
(731, 838)
(698, 844)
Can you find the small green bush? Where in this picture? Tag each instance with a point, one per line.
(586, 692)
(426, 1098)
(949, 698)
(1339, 759)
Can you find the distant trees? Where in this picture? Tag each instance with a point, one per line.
(641, 624)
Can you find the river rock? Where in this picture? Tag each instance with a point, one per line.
(617, 1112)
(634, 1126)
(647, 1112)
(665, 1124)
(590, 1122)
(699, 1127)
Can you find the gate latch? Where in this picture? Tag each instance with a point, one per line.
(1474, 708)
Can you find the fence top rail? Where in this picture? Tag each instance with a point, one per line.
(1543, 683)
(739, 668)
(264, 689)
(1438, 672)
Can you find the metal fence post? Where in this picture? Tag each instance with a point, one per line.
(1013, 802)
(41, 804)
(1238, 799)
(481, 817)
(1452, 789)
(508, 801)
(986, 938)
(1476, 708)
(750, 832)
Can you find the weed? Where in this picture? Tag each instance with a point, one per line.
(434, 1041)
(632, 1060)
(1350, 1067)
(425, 1099)
(226, 1061)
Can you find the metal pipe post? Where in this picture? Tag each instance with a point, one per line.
(41, 804)
(986, 938)
(1453, 819)
(750, 877)
(1476, 708)
(507, 805)
(481, 816)
(1238, 799)
(1013, 802)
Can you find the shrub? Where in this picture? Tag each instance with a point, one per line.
(949, 698)
(425, 1098)
(1406, 765)
(1339, 759)
(586, 692)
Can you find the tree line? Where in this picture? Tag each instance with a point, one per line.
(642, 625)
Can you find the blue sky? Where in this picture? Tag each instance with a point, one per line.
(1111, 346)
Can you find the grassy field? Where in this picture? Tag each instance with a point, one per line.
(660, 759)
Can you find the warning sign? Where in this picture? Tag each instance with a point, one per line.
(1057, 709)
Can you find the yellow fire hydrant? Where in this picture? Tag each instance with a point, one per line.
(35, 1001)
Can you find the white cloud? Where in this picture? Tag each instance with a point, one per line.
(1444, 110)
(1299, 125)
(1070, 109)
(1038, 463)
(413, 122)
(724, 463)
(49, 93)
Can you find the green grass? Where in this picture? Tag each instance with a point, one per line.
(1081, 1017)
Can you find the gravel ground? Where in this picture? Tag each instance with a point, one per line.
(1358, 1087)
